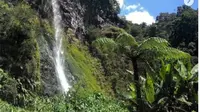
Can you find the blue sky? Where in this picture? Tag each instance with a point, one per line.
(139, 11)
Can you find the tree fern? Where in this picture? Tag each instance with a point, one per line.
(159, 48)
(149, 50)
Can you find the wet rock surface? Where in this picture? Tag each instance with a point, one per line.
(50, 81)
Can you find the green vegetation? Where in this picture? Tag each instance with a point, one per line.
(96, 103)
(19, 49)
(5, 107)
(149, 51)
(174, 89)
(180, 29)
(116, 68)
(72, 103)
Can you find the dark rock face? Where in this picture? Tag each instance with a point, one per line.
(73, 16)
(72, 12)
(47, 69)
(78, 14)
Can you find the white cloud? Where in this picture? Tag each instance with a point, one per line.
(141, 8)
(132, 7)
(121, 3)
(136, 13)
(140, 17)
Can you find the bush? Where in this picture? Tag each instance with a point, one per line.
(19, 28)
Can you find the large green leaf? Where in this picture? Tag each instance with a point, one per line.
(149, 89)
(194, 73)
(133, 91)
(181, 69)
(194, 69)
(164, 70)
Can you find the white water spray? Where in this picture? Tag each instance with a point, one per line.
(58, 51)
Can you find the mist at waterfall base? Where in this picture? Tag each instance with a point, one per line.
(58, 51)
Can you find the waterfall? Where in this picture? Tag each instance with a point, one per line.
(58, 50)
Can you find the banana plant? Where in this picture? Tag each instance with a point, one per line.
(175, 90)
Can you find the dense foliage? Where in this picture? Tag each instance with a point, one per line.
(180, 29)
(118, 66)
(19, 28)
(149, 51)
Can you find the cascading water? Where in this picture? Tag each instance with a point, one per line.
(58, 51)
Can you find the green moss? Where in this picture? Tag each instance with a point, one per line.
(84, 62)
(86, 69)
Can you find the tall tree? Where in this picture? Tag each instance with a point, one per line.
(185, 31)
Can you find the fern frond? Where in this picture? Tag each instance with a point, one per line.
(172, 53)
(159, 48)
(125, 39)
(153, 42)
(105, 42)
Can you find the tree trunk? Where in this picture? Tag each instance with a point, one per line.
(137, 82)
